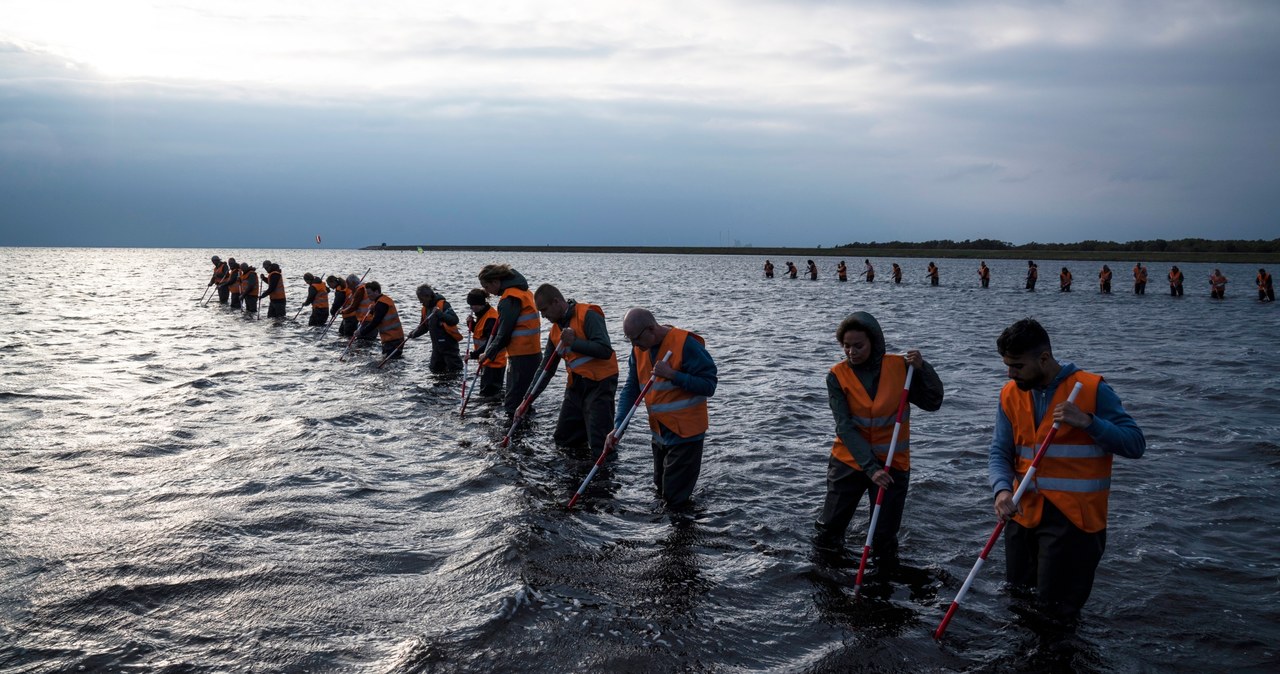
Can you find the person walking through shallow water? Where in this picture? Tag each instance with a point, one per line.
(677, 402)
(317, 299)
(482, 322)
(382, 320)
(439, 320)
(897, 274)
(1139, 279)
(1064, 280)
(768, 269)
(792, 270)
(1033, 275)
(933, 274)
(519, 330)
(813, 271)
(1056, 534)
(1104, 280)
(842, 272)
(1217, 285)
(868, 272)
(1175, 281)
(1266, 289)
(863, 391)
(984, 274)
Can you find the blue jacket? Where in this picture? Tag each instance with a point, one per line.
(1112, 428)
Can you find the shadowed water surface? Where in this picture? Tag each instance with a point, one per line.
(188, 490)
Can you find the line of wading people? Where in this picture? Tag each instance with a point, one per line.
(507, 339)
(1054, 537)
(1217, 282)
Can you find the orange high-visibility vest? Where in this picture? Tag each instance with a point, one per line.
(249, 284)
(594, 369)
(479, 334)
(236, 286)
(1064, 278)
(1175, 277)
(525, 337)
(876, 418)
(357, 302)
(684, 413)
(1264, 281)
(389, 329)
(220, 272)
(1075, 473)
(278, 293)
(321, 300)
(451, 330)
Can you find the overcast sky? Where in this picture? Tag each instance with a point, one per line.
(766, 122)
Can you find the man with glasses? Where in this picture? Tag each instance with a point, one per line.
(677, 401)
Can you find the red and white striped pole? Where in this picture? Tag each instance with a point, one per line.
(617, 434)
(1017, 497)
(888, 461)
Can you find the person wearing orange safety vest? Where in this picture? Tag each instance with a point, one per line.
(481, 322)
(863, 391)
(339, 287)
(1217, 285)
(439, 320)
(868, 272)
(933, 274)
(1064, 280)
(317, 298)
(219, 278)
(768, 269)
(519, 331)
(984, 274)
(231, 283)
(813, 271)
(1139, 279)
(591, 384)
(792, 270)
(275, 290)
(677, 401)
(842, 271)
(1056, 534)
(1104, 280)
(897, 274)
(382, 320)
(1266, 289)
(249, 287)
(354, 306)
(1175, 281)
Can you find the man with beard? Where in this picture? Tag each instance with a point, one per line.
(1059, 528)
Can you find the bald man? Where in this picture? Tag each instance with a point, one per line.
(677, 402)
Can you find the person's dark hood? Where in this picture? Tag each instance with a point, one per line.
(868, 323)
(515, 281)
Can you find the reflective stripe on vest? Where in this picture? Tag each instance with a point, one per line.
(1075, 474)
(595, 369)
(670, 406)
(357, 302)
(875, 418)
(524, 338)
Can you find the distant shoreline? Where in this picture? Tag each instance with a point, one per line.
(851, 253)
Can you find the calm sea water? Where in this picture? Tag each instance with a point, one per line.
(188, 490)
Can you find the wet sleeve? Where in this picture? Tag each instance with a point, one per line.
(339, 298)
(926, 389)
(697, 373)
(847, 427)
(1000, 455)
(1113, 429)
(595, 340)
(311, 295)
(540, 381)
(448, 316)
(421, 328)
(272, 282)
(627, 396)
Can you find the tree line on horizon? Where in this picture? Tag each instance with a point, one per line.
(1147, 245)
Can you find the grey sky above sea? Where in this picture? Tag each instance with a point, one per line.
(265, 123)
